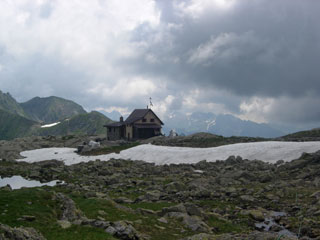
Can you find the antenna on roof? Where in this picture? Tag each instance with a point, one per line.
(151, 105)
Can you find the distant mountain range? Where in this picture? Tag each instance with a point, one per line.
(225, 124)
(58, 116)
(32, 118)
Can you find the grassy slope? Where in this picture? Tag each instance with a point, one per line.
(13, 125)
(51, 109)
(9, 104)
(39, 203)
(305, 134)
(19, 120)
(82, 124)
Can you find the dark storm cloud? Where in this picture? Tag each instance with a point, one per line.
(297, 110)
(267, 48)
(205, 56)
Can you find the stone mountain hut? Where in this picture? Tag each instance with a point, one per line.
(141, 124)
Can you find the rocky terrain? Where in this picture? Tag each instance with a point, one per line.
(121, 199)
(310, 135)
(201, 140)
(10, 150)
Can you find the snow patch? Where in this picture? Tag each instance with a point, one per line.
(266, 151)
(17, 182)
(50, 125)
(211, 123)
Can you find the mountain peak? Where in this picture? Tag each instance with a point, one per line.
(51, 109)
(9, 104)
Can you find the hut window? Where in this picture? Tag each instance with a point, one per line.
(144, 120)
(152, 120)
(109, 129)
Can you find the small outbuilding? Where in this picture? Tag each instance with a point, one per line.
(141, 124)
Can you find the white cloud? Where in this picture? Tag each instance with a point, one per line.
(188, 102)
(196, 8)
(123, 111)
(79, 32)
(256, 109)
(162, 107)
(124, 89)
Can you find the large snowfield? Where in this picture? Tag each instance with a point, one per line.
(266, 151)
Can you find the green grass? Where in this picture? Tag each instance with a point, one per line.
(308, 133)
(67, 137)
(80, 232)
(80, 124)
(148, 225)
(16, 203)
(91, 206)
(152, 206)
(132, 192)
(46, 210)
(211, 204)
(224, 226)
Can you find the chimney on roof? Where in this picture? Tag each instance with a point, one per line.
(121, 119)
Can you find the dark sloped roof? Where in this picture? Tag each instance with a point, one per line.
(115, 124)
(138, 114)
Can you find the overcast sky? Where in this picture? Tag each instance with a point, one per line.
(256, 59)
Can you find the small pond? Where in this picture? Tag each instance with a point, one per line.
(17, 182)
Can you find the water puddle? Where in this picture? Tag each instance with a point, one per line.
(17, 182)
(269, 224)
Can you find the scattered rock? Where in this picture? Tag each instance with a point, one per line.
(195, 224)
(123, 200)
(123, 230)
(101, 212)
(162, 220)
(256, 215)
(68, 207)
(64, 224)
(247, 198)
(6, 188)
(143, 212)
(20, 233)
